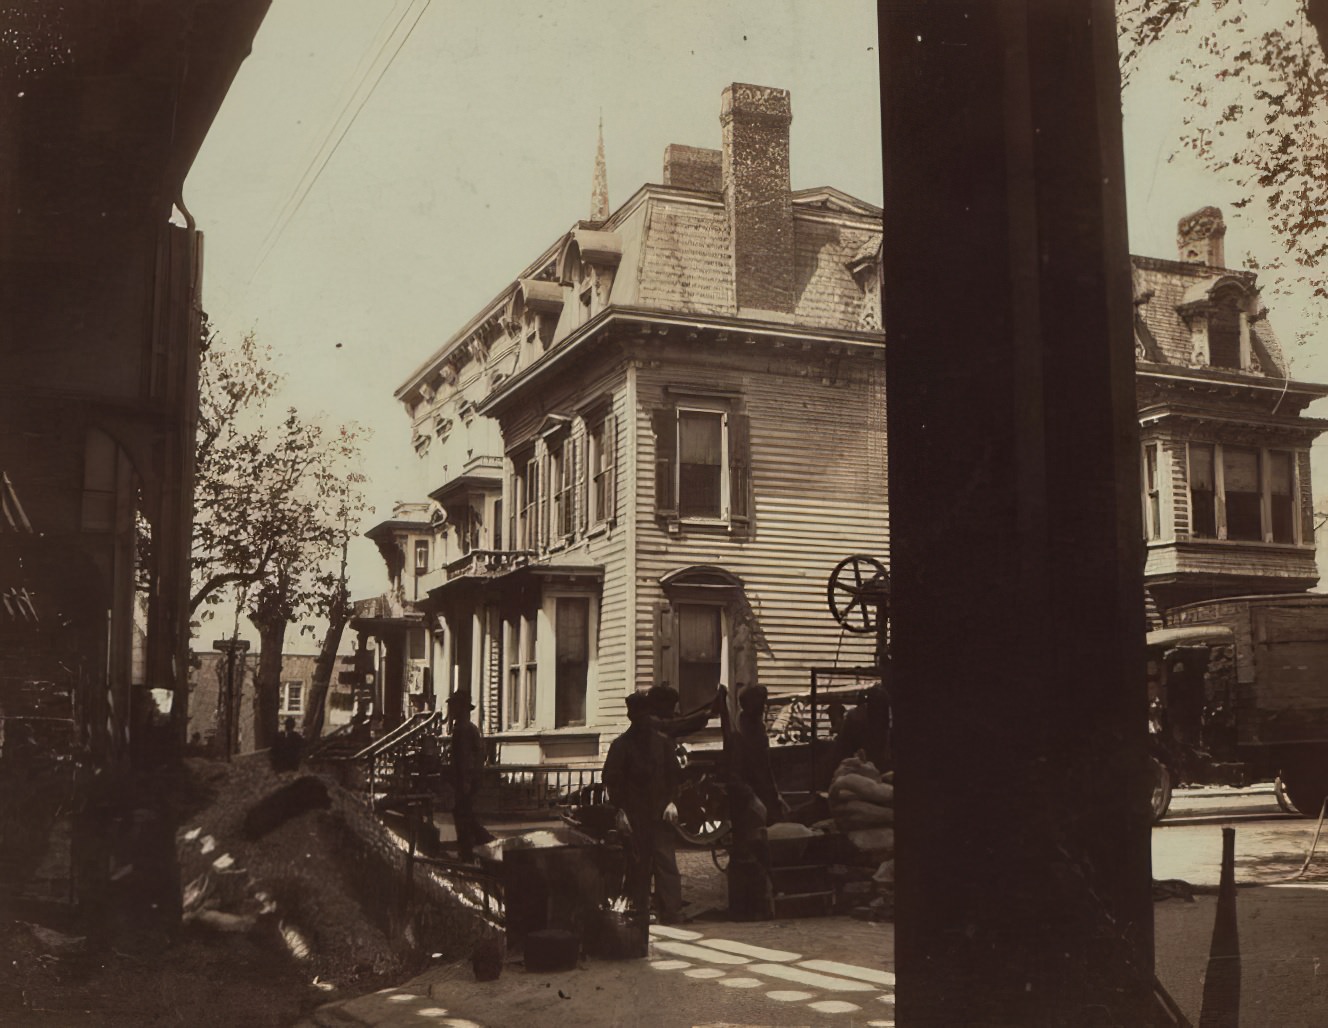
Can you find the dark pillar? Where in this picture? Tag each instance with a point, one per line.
(394, 677)
(1023, 870)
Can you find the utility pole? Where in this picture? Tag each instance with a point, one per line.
(227, 722)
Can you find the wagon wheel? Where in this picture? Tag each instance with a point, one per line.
(1161, 792)
(858, 592)
(703, 809)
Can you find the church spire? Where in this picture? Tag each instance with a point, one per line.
(599, 193)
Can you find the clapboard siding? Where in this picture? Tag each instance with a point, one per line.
(819, 481)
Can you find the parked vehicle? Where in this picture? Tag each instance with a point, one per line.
(1238, 691)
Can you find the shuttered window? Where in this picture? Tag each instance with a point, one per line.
(701, 650)
(702, 467)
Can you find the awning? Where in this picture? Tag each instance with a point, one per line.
(1190, 635)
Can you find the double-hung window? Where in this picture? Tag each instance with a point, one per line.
(601, 437)
(525, 500)
(561, 480)
(703, 465)
(292, 698)
(1152, 493)
(522, 648)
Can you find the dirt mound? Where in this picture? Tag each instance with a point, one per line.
(291, 883)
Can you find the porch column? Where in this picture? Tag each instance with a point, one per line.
(1023, 868)
(394, 677)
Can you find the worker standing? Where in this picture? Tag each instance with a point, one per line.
(467, 765)
(641, 775)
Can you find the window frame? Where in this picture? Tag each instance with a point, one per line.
(284, 706)
(1151, 466)
(723, 517)
(601, 473)
(1263, 455)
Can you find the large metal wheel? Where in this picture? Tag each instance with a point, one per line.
(859, 592)
(1161, 789)
(703, 809)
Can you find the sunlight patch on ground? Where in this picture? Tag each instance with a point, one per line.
(744, 949)
(686, 949)
(834, 1006)
(811, 978)
(669, 965)
(665, 931)
(742, 983)
(865, 974)
(788, 996)
(704, 972)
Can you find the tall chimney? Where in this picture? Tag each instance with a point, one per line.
(755, 122)
(1199, 237)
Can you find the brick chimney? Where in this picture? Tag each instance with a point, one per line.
(693, 167)
(1199, 237)
(755, 122)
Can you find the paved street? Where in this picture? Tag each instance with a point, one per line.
(841, 971)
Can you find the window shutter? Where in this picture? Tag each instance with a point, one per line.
(665, 422)
(666, 653)
(610, 437)
(740, 472)
(541, 530)
(579, 496)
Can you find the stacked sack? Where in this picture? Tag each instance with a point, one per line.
(862, 805)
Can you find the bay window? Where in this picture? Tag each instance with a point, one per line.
(1242, 493)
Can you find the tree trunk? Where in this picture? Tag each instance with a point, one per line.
(315, 711)
(267, 683)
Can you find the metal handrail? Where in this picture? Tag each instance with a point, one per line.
(402, 731)
(389, 747)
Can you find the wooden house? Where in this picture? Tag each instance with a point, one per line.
(1225, 460)
(653, 447)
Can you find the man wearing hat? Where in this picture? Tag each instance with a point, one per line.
(467, 764)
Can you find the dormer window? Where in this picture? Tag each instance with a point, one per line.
(586, 267)
(1216, 313)
(532, 315)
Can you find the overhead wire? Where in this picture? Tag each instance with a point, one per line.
(303, 195)
(377, 46)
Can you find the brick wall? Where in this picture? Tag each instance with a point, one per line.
(757, 197)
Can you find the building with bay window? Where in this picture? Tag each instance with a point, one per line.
(653, 446)
(1227, 501)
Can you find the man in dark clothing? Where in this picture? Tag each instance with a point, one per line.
(467, 765)
(641, 775)
(867, 728)
(751, 747)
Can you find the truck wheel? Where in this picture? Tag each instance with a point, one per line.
(702, 812)
(1306, 791)
(1161, 789)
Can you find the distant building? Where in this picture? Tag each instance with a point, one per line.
(1227, 496)
(208, 689)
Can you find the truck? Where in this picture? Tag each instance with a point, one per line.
(1238, 691)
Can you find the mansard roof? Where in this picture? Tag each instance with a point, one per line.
(1165, 291)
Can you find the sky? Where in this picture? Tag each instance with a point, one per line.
(381, 169)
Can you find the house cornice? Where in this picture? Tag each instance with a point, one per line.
(1233, 381)
(664, 323)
